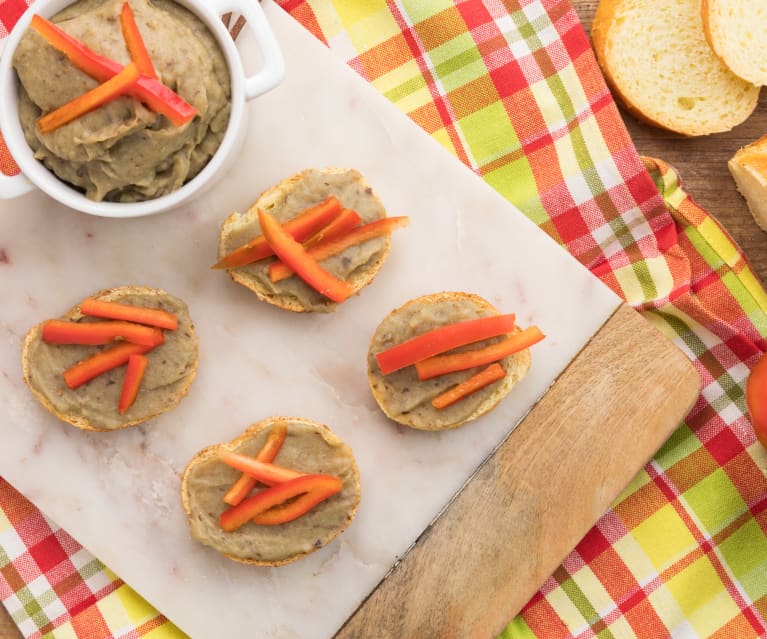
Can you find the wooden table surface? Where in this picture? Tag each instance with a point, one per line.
(702, 162)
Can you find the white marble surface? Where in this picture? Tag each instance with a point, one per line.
(117, 493)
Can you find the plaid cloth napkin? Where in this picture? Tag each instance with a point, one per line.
(511, 88)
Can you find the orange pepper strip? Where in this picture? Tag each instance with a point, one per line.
(300, 505)
(94, 333)
(443, 339)
(324, 485)
(139, 314)
(756, 399)
(102, 362)
(443, 364)
(306, 267)
(242, 487)
(135, 43)
(151, 92)
(333, 246)
(93, 99)
(345, 222)
(300, 227)
(476, 382)
(266, 473)
(132, 382)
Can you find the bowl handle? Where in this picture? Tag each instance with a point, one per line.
(273, 68)
(12, 186)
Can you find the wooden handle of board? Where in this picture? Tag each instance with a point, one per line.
(545, 486)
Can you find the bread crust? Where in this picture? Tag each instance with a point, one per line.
(254, 429)
(749, 170)
(723, 43)
(605, 18)
(600, 27)
(519, 364)
(267, 200)
(110, 294)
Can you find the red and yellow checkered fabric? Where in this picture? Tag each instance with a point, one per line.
(512, 89)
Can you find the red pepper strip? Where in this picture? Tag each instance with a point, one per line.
(135, 43)
(345, 222)
(443, 364)
(164, 101)
(325, 485)
(102, 362)
(300, 227)
(93, 333)
(300, 505)
(279, 270)
(151, 92)
(476, 382)
(306, 267)
(756, 399)
(266, 473)
(443, 339)
(139, 314)
(93, 99)
(242, 487)
(132, 382)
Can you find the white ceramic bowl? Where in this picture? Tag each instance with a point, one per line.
(244, 88)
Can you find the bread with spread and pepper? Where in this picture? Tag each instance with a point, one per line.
(171, 366)
(356, 265)
(308, 448)
(414, 398)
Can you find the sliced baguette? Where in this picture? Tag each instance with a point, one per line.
(656, 60)
(205, 480)
(737, 32)
(749, 170)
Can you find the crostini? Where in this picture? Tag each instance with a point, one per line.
(116, 359)
(310, 242)
(442, 360)
(283, 489)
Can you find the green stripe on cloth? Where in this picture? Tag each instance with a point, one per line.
(406, 88)
(750, 566)
(517, 629)
(677, 447)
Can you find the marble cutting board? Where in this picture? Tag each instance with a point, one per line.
(117, 493)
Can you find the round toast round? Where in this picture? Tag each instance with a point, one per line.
(309, 447)
(407, 400)
(171, 368)
(357, 265)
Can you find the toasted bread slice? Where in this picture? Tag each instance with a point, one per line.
(357, 265)
(309, 447)
(737, 32)
(93, 406)
(749, 170)
(405, 399)
(656, 60)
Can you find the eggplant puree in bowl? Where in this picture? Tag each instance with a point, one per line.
(123, 151)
